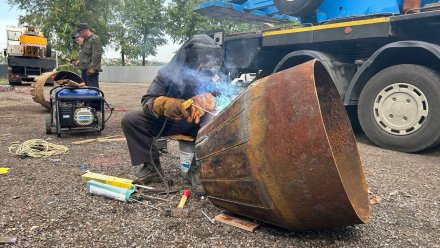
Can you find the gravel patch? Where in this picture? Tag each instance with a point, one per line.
(43, 202)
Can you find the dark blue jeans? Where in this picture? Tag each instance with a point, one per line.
(91, 80)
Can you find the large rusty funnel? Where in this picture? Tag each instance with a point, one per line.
(284, 153)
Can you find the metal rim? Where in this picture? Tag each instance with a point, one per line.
(401, 109)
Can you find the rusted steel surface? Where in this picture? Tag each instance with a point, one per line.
(59, 77)
(284, 153)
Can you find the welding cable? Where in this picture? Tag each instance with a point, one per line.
(37, 148)
(154, 163)
(111, 110)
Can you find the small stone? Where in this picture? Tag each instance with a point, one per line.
(393, 193)
(33, 228)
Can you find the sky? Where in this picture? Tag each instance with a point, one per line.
(9, 16)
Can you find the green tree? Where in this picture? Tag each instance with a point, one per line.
(143, 20)
(120, 40)
(183, 22)
(57, 19)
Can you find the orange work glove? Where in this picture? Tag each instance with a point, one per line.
(169, 107)
(201, 102)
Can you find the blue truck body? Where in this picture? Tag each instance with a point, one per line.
(265, 10)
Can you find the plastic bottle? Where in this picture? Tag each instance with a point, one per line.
(186, 156)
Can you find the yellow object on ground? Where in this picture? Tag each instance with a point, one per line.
(4, 170)
(110, 180)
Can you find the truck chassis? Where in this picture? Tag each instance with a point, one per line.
(386, 69)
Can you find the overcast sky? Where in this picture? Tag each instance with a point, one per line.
(9, 16)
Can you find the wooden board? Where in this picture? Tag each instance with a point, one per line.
(234, 221)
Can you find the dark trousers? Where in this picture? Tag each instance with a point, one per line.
(140, 130)
(91, 80)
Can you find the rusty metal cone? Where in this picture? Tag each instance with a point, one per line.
(37, 88)
(284, 153)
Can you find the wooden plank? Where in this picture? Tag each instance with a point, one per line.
(234, 221)
(111, 140)
(104, 139)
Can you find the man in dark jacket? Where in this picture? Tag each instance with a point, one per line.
(90, 55)
(187, 76)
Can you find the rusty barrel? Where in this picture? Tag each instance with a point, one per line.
(284, 153)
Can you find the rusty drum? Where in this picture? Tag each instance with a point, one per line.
(284, 153)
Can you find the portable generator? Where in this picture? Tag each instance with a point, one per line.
(74, 109)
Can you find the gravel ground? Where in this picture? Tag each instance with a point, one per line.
(43, 202)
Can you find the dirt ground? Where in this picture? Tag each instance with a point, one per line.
(43, 202)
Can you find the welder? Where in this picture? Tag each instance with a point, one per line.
(189, 75)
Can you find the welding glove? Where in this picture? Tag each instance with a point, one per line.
(169, 107)
(201, 103)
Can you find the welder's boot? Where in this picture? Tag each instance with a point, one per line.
(194, 178)
(148, 174)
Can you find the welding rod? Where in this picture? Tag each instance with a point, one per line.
(209, 112)
(190, 102)
(153, 198)
(143, 203)
(144, 187)
(211, 220)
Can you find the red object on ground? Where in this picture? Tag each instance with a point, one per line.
(185, 196)
(186, 192)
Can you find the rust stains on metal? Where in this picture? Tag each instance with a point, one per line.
(284, 153)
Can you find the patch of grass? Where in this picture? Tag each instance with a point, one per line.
(3, 81)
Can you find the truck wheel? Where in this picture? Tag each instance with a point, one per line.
(48, 53)
(297, 7)
(399, 108)
(15, 83)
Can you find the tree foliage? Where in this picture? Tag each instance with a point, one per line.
(183, 22)
(135, 28)
(143, 22)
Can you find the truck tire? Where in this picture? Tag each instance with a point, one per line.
(15, 83)
(399, 108)
(297, 7)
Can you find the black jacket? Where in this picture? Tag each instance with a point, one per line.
(180, 78)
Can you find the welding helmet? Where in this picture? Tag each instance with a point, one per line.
(204, 57)
(198, 58)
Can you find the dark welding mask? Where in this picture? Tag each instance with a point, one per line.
(204, 60)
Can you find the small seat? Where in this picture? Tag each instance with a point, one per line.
(181, 137)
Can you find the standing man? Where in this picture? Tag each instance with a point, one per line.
(90, 55)
(189, 75)
(79, 40)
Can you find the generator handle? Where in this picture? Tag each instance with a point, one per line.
(73, 88)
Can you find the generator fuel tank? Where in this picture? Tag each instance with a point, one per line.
(284, 153)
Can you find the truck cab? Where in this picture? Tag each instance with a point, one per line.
(28, 54)
(13, 44)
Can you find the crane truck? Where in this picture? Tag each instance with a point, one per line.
(28, 54)
(383, 55)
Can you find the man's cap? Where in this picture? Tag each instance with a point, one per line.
(75, 36)
(81, 26)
